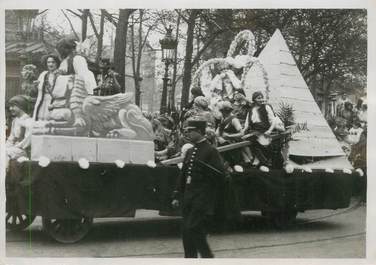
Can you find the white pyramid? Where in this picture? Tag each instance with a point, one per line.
(287, 85)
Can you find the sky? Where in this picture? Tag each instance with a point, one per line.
(56, 19)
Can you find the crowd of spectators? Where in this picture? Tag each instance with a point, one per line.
(349, 125)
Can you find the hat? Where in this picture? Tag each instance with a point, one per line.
(197, 91)
(196, 124)
(202, 102)
(167, 120)
(256, 94)
(240, 91)
(20, 101)
(225, 105)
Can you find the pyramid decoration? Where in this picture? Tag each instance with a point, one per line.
(287, 85)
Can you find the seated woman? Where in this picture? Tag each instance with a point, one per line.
(259, 124)
(231, 131)
(241, 105)
(19, 139)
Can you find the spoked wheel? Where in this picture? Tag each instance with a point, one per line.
(16, 221)
(281, 220)
(67, 230)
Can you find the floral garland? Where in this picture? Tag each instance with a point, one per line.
(221, 62)
(245, 35)
(226, 63)
(255, 61)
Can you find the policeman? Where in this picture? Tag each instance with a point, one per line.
(199, 187)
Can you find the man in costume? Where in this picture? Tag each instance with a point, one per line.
(81, 81)
(199, 188)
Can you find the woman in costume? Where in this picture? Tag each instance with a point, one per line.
(259, 124)
(230, 131)
(46, 84)
(241, 105)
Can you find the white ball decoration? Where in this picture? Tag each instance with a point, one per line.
(22, 159)
(264, 169)
(119, 163)
(238, 168)
(180, 165)
(83, 163)
(360, 172)
(289, 168)
(347, 171)
(329, 170)
(151, 164)
(43, 161)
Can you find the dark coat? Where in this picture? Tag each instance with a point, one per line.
(201, 181)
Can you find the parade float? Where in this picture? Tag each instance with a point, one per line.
(104, 165)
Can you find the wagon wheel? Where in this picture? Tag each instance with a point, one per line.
(281, 220)
(67, 230)
(17, 221)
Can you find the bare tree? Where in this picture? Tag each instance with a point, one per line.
(120, 44)
(187, 74)
(71, 25)
(98, 34)
(82, 14)
(174, 69)
(190, 60)
(138, 43)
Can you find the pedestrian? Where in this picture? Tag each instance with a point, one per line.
(200, 189)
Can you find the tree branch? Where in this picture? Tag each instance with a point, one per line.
(110, 17)
(93, 25)
(74, 13)
(206, 45)
(140, 43)
(70, 23)
(40, 13)
(182, 16)
(133, 50)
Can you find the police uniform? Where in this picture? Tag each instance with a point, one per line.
(199, 186)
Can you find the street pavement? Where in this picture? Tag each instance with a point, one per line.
(315, 234)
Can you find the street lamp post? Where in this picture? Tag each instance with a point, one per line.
(168, 45)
